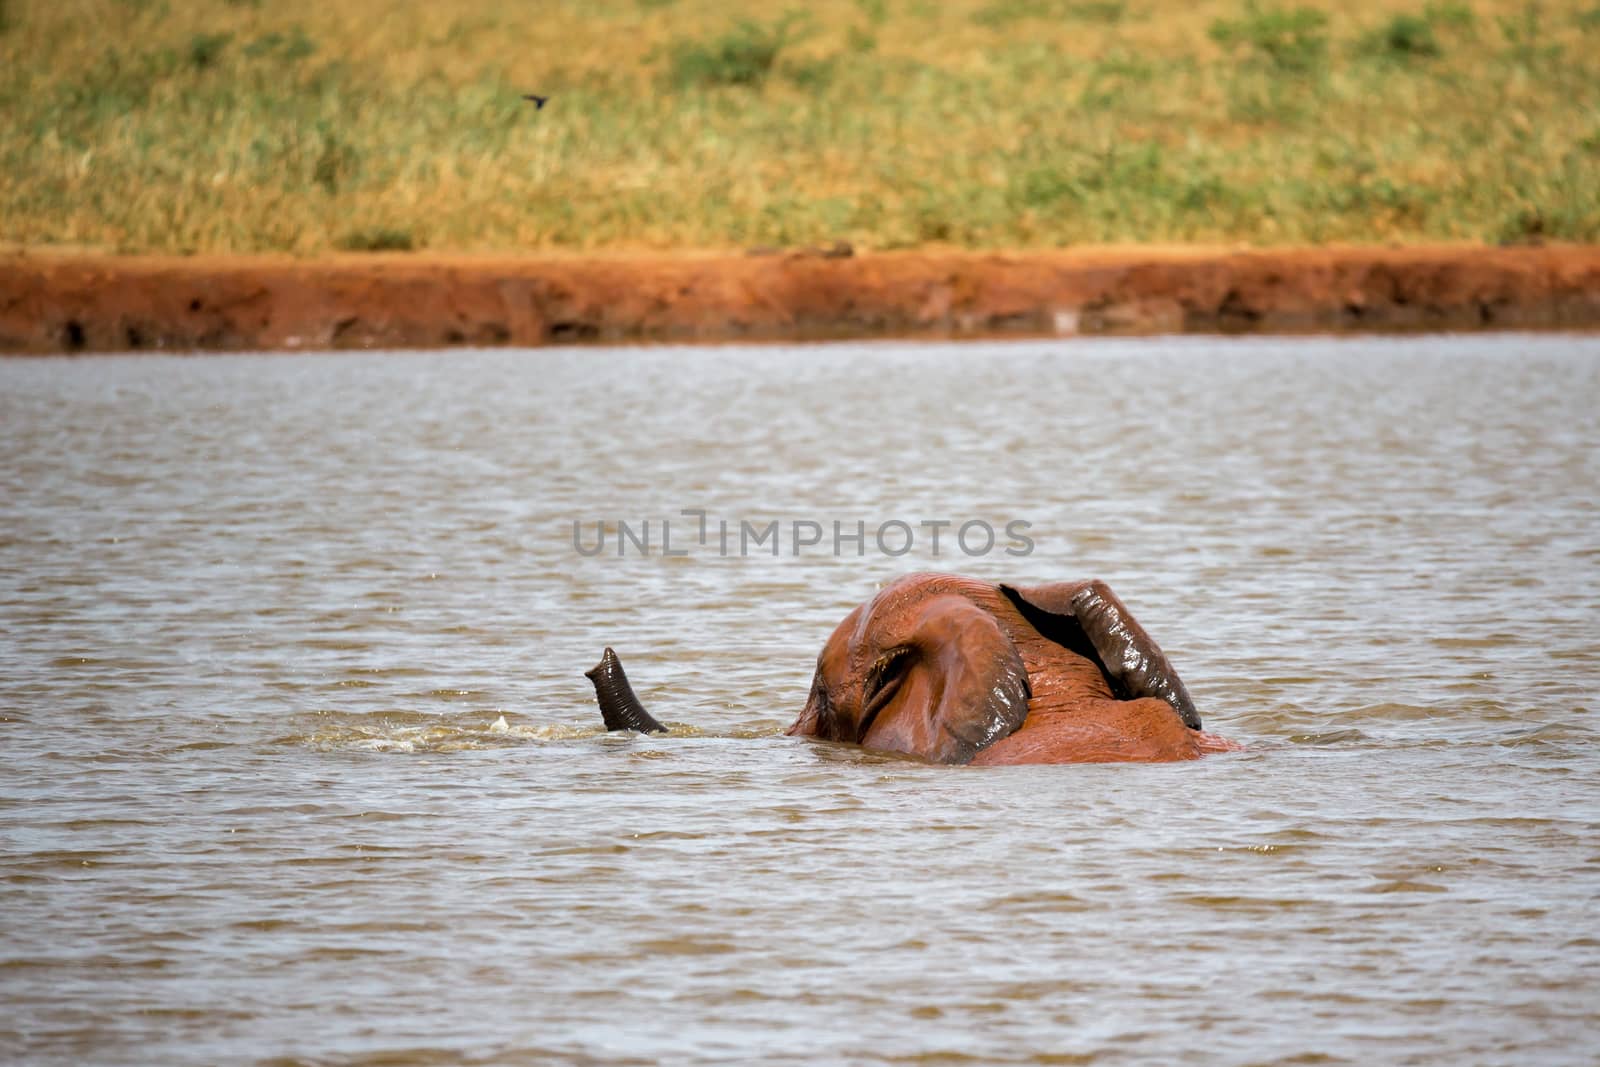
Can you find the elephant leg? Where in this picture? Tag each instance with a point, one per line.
(1132, 659)
(619, 707)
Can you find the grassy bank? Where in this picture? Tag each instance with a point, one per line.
(237, 125)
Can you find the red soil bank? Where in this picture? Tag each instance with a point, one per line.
(81, 303)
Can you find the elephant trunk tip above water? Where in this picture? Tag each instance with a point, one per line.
(619, 707)
(963, 671)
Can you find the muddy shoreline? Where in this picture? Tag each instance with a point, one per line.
(59, 303)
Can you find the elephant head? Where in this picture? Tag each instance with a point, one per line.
(947, 668)
(921, 669)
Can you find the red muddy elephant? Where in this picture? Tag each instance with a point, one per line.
(957, 670)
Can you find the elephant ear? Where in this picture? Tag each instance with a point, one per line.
(952, 685)
(1087, 618)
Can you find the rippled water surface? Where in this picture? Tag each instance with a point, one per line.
(299, 763)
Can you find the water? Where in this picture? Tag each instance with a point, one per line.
(300, 765)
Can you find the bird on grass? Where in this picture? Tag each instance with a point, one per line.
(538, 101)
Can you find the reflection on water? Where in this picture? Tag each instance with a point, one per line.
(301, 766)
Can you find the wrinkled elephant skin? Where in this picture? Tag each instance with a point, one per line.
(962, 671)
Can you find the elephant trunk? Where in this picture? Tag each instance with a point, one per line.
(619, 707)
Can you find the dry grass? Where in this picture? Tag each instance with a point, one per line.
(235, 125)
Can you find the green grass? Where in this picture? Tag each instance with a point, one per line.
(378, 240)
(1403, 37)
(1287, 40)
(236, 125)
(744, 56)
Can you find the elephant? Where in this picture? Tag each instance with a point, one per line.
(956, 670)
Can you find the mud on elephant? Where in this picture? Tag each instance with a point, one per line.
(962, 671)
